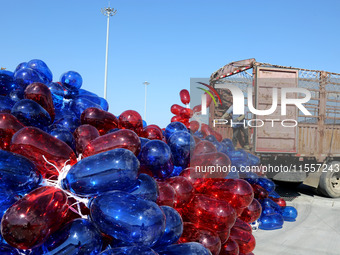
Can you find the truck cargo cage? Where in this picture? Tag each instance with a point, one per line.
(316, 135)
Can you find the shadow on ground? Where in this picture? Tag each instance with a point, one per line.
(315, 231)
(291, 192)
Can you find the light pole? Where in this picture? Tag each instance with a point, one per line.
(146, 84)
(107, 12)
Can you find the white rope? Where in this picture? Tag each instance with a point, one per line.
(51, 164)
(80, 157)
(255, 225)
(57, 184)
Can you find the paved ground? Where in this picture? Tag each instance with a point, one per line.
(316, 230)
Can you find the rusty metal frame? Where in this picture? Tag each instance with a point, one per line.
(322, 113)
(257, 69)
(325, 105)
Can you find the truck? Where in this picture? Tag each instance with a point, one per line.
(308, 146)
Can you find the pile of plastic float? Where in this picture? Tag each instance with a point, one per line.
(76, 179)
(242, 164)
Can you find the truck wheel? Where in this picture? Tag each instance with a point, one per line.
(329, 183)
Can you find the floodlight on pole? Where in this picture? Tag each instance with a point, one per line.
(107, 12)
(146, 84)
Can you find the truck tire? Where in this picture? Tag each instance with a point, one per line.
(329, 183)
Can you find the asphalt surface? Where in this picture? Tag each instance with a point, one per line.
(315, 231)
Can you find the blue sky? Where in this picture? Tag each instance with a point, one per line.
(166, 42)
